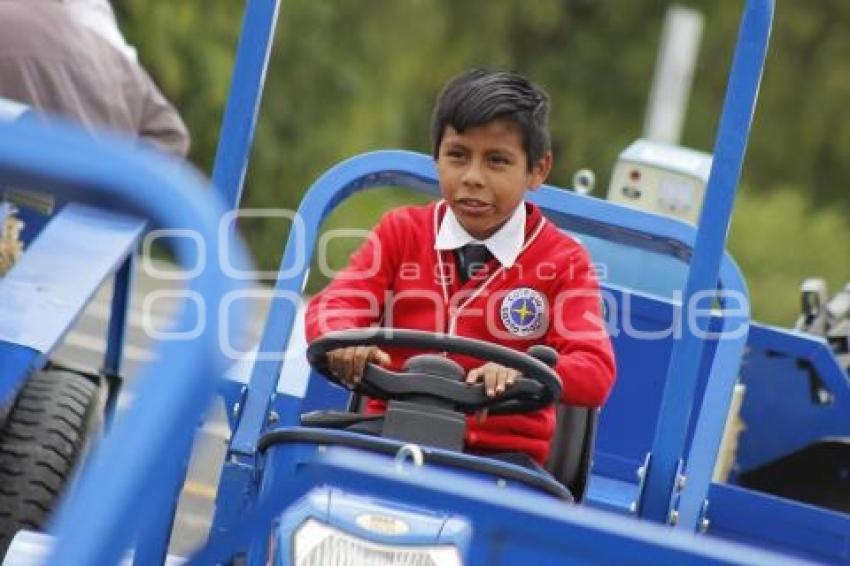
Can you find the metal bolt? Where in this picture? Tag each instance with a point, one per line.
(633, 507)
(703, 525)
(322, 448)
(681, 481)
(641, 472)
(273, 417)
(674, 517)
(411, 453)
(236, 407)
(501, 483)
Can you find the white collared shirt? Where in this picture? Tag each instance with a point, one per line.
(505, 244)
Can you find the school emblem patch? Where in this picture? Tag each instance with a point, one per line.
(523, 311)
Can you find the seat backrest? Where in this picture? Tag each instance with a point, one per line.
(571, 453)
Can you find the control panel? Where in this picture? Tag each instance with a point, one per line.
(661, 178)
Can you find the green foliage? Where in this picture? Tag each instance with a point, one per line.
(349, 76)
(778, 240)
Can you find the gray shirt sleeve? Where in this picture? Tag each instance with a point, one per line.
(160, 123)
(55, 65)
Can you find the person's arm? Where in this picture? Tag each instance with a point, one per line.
(161, 124)
(355, 297)
(586, 363)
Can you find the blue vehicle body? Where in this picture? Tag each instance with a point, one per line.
(680, 348)
(119, 177)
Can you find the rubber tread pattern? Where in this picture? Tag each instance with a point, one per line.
(40, 445)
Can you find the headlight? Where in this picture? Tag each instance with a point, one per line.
(317, 544)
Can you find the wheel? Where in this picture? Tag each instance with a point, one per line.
(41, 444)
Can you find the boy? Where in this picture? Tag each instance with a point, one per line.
(480, 263)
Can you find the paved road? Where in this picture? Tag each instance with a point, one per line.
(84, 347)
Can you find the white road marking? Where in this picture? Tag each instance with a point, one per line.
(102, 310)
(98, 345)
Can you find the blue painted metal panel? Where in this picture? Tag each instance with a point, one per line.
(378, 169)
(115, 335)
(243, 101)
(237, 492)
(173, 393)
(578, 214)
(646, 271)
(49, 287)
(777, 373)
(431, 488)
(629, 418)
(628, 422)
(710, 423)
(61, 271)
(778, 524)
(510, 526)
(17, 363)
(120, 304)
(157, 524)
(729, 149)
(611, 494)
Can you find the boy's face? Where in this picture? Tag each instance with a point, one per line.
(484, 174)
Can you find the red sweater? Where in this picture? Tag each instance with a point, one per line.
(549, 296)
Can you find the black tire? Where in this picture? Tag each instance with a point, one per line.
(41, 444)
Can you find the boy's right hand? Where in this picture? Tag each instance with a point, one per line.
(348, 364)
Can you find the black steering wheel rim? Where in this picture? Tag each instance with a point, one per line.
(538, 387)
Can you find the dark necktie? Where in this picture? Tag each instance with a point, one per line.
(471, 259)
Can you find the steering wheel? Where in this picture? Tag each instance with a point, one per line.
(435, 379)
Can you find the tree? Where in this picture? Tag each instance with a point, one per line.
(349, 76)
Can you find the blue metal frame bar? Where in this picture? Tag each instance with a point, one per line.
(156, 528)
(417, 172)
(243, 101)
(730, 147)
(778, 524)
(117, 330)
(173, 393)
(407, 169)
(115, 335)
(711, 422)
(507, 529)
(49, 287)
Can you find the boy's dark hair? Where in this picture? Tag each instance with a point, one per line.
(478, 96)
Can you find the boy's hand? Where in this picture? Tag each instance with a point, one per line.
(348, 364)
(496, 378)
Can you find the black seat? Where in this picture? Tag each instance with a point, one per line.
(571, 452)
